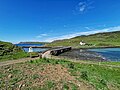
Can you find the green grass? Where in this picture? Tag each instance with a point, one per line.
(111, 63)
(33, 54)
(102, 77)
(109, 39)
(8, 51)
(14, 56)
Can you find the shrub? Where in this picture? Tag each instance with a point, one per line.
(56, 62)
(103, 82)
(71, 65)
(84, 75)
(65, 87)
(33, 54)
(49, 84)
(31, 61)
(35, 76)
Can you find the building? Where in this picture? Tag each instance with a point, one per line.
(30, 49)
(82, 43)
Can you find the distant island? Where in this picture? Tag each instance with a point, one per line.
(33, 43)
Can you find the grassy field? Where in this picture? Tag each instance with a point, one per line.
(8, 51)
(50, 74)
(109, 39)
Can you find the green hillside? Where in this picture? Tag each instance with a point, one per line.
(110, 39)
(9, 51)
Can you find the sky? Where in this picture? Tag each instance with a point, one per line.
(48, 20)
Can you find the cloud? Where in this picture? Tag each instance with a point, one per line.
(84, 6)
(88, 28)
(41, 35)
(83, 33)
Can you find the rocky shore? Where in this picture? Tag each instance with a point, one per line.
(82, 54)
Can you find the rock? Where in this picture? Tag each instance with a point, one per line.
(23, 85)
(10, 76)
(20, 85)
(79, 85)
(8, 69)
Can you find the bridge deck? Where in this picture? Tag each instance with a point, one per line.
(60, 50)
(55, 51)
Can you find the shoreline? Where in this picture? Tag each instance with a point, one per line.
(101, 47)
(82, 54)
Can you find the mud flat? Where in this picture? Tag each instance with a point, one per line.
(82, 54)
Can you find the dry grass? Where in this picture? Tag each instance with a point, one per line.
(40, 76)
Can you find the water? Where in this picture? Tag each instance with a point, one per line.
(112, 54)
(34, 49)
(29, 45)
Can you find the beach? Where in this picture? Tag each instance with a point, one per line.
(82, 54)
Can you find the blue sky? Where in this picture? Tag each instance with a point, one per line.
(48, 20)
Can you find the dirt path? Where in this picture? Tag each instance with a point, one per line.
(4, 63)
(16, 61)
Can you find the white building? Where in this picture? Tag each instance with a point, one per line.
(30, 49)
(82, 43)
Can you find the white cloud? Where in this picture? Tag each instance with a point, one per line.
(88, 28)
(84, 6)
(83, 33)
(41, 35)
(44, 34)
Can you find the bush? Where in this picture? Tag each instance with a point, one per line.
(33, 54)
(50, 84)
(103, 82)
(65, 87)
(71, 65)
(45, 60)
(56, 62)
(84, 75)
(35, 76)
(31, 61)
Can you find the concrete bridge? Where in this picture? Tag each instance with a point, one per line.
(55, 52)
(60, 50)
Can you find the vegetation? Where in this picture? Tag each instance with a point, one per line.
(9, 51)
(50, 74)
(108, 39)
(33, 54)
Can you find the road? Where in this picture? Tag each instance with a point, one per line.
(4, 63)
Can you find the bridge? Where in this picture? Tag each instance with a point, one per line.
(55, 52)
(60, 50)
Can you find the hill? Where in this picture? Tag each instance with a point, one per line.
(9, 51)
(107, 39)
